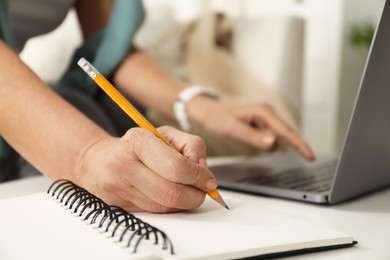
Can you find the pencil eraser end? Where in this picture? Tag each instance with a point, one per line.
(82, 62)
(88, 68)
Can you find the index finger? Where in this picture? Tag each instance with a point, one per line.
(283, 130)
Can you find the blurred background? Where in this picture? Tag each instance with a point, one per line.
(311, 52)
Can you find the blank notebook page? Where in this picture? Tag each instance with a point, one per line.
(38, 227)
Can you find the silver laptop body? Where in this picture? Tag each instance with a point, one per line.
(364, 163)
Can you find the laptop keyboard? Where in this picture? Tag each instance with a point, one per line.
(314, 179)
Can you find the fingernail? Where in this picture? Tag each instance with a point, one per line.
(211, 184)
(268, 139)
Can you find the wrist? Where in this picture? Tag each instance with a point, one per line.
(89, 158)
(199, 109)
(182, 101)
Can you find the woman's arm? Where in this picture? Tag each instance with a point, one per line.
(45, 129)
(142, 78)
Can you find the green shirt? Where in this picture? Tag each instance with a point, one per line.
(105, 49)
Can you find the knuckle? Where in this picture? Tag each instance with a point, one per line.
(266, 106)
(198, 141)
(165, 128)
(266, 109)
(174, 197)
(131, 138)
(177, 168)
(139, 141)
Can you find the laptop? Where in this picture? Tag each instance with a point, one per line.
(363, 165)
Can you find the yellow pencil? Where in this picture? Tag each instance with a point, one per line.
(131, 111)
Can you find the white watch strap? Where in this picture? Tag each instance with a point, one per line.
(180, 105)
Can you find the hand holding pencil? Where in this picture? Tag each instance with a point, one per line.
(129, 109)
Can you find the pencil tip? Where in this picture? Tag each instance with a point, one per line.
(219, 199)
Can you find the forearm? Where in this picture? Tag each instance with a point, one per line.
(45, 129)
(140, 77)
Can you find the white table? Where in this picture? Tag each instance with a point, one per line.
(367, 219)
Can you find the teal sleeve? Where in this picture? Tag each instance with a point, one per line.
(107, 48)
(5, 34)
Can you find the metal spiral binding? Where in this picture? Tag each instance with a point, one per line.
(112, 218)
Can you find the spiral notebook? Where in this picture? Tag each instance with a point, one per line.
(70, 223)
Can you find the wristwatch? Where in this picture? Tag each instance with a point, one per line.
(180, 105)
